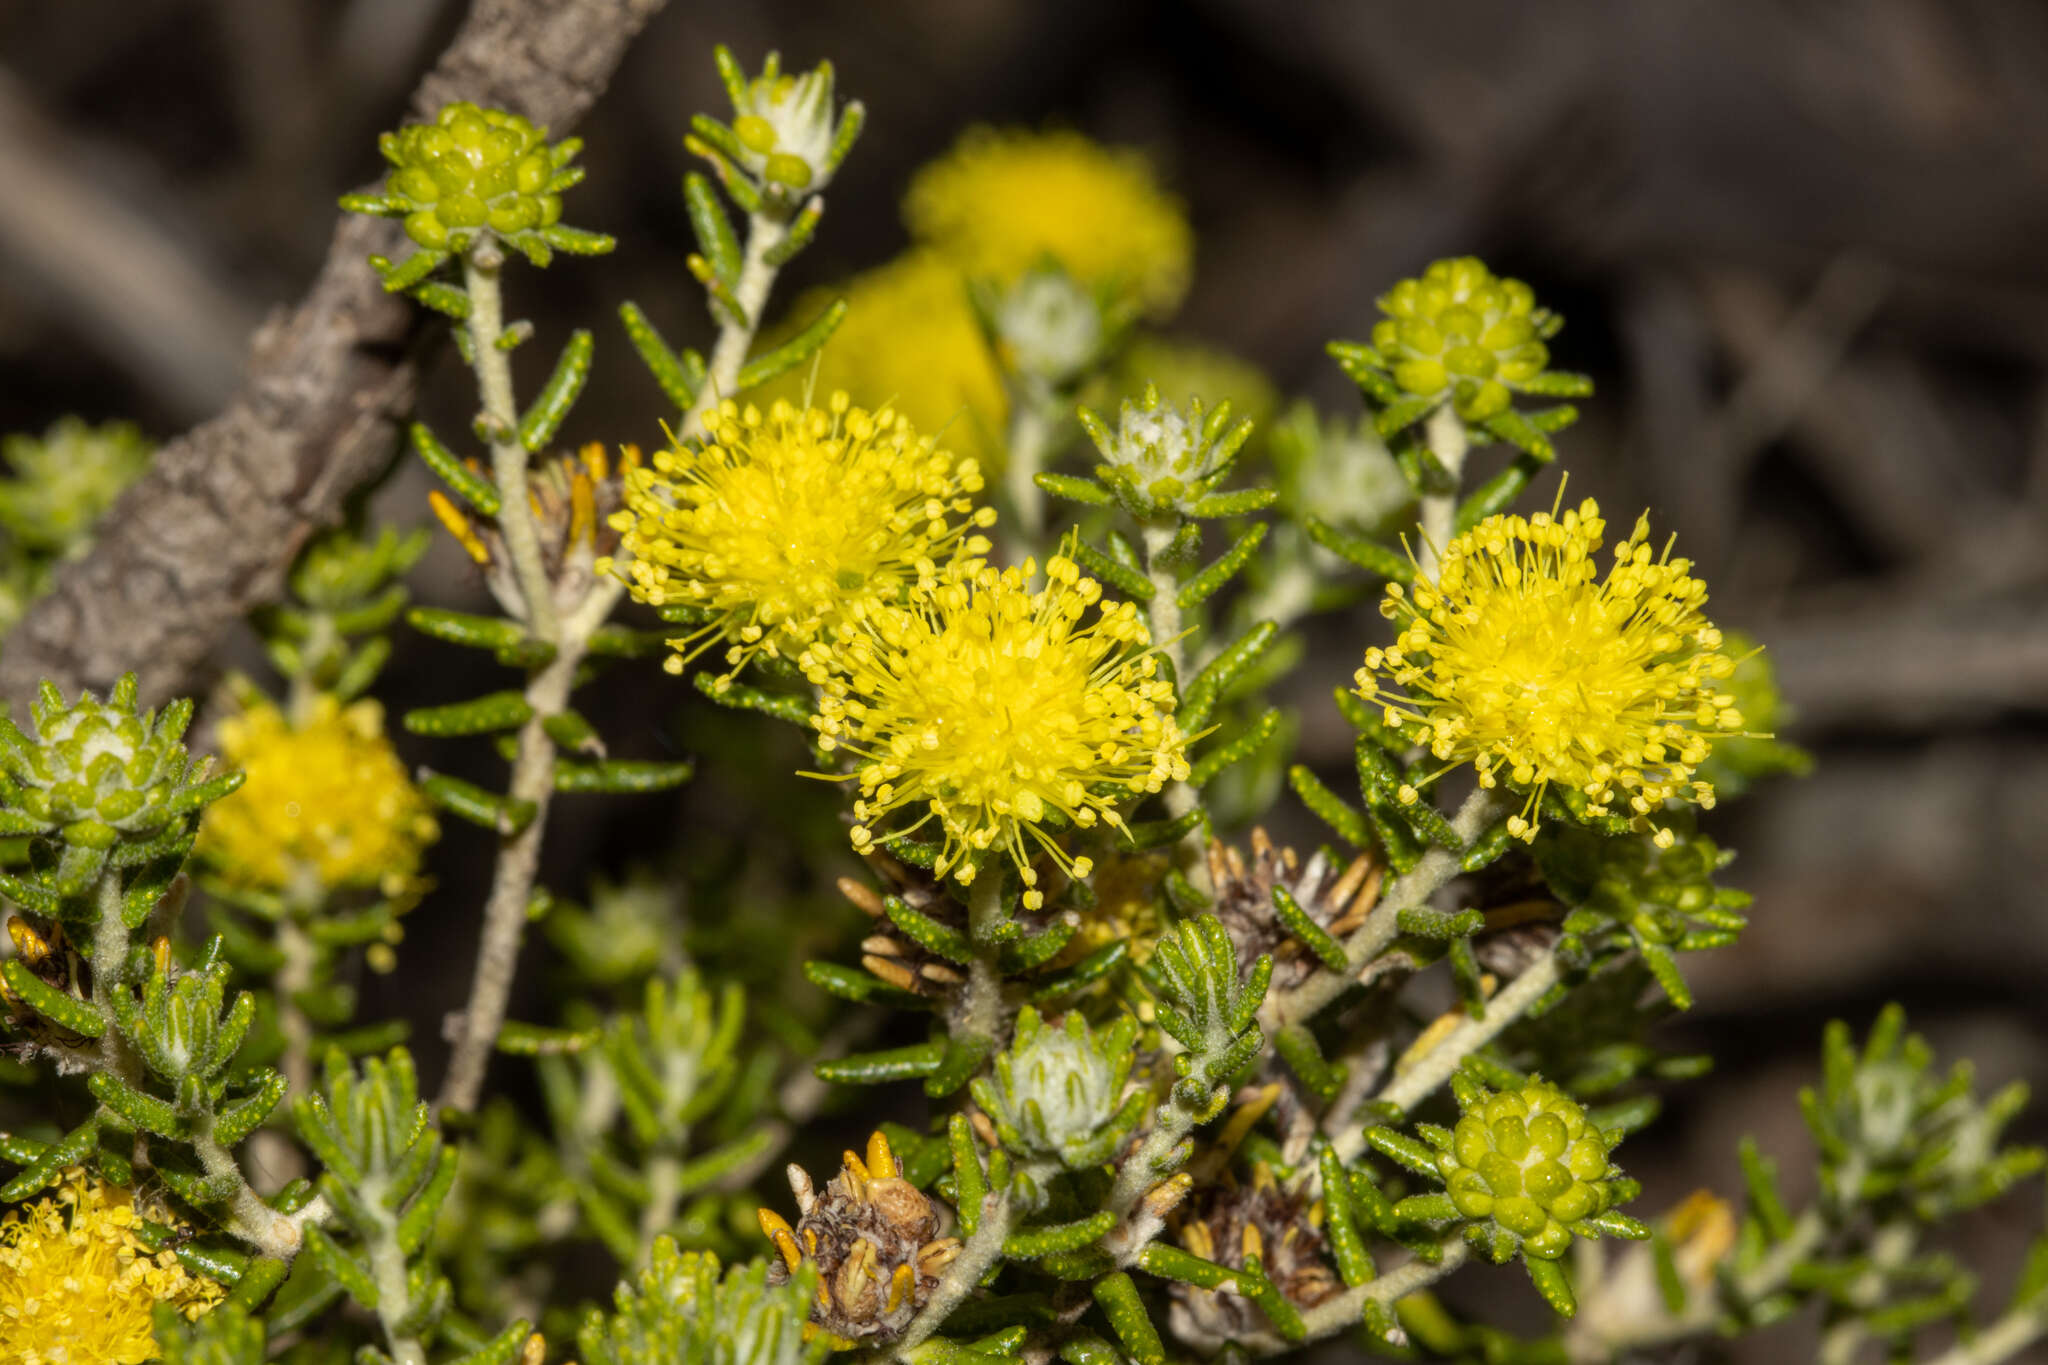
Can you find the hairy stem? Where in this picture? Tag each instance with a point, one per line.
(255, 1222)
(1438, 866)
(1348, 1308)
(1163, 617)
(1434, 1067)
(500, 424)
(2002, 1340)
(1034, 422)
(533, 780)
(388, 1269)
(1445, 434)
(736, 336)
(981, 1251)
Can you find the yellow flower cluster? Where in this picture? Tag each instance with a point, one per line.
(325, 805)
(1519, 660)
(789, 528)
(992, 708)
(77, 1285)
(1004, 199)
(909, 336)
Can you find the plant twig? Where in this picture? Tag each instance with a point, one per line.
(208, 532)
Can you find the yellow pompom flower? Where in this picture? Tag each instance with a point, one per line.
(1004, 199)
(77, 1284)
(910, 339)
(995, 709)
(1520, 660)
(325, 806)
(793, 526)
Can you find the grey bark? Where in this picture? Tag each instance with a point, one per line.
(209, 531)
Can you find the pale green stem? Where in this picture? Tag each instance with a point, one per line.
(1437, 867)
(294, 977)
(480, 268)
(1445, 434)
(1348, 1308)
(664, 1196)
(1163, 618)
(1434, 1067)
(255, 1222)
(1034, 422)
(388, 1271)
(547, 692)
(981, 1007)
(505, 913)
(2002, 1340)
(981, 1250)
(757, 278)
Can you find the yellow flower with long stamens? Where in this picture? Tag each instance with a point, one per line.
(791, 527)
(1522, 661)
(1000, 712)
(78, 1284)
(1003, 200)
(326, 804)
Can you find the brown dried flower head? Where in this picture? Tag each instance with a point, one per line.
(1234, 1221)
(1338, 899)
(874, 1238)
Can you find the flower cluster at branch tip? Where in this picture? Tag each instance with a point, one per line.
(909, 333)
(325, 805)
(788, 529)
(1057, 1094)
(1463, 332)
(874, 1238)
(472, 170)
(786, 125)
(1530, 1161)
(990, 707)
(77, 1283)
(1520, 660)
(1003, 200)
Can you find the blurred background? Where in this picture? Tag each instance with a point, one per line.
(1801, 245)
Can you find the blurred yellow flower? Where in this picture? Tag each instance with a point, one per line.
(1004, 199)
(1518, 661)
(795, 525)
(990, 707)
(326, 804)
(909, 340)
(77, 1285)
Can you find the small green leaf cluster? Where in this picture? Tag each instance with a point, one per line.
(64, 480)
(343, 586)
(1894, 1131)
(1525, 1171)
(682, 1309)
(1057, 1093)
(628, 1098)
(106, 784)
(1209, 1009)
(387, 1174)
(227, 1335)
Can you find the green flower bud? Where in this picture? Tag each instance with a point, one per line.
(473, 171)
(1460, 333)
(1160, 454)
(1058, 1094)
(790, 137)
(1531, 1162)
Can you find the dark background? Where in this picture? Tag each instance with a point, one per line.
(1800, 246)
